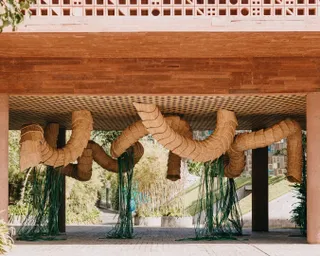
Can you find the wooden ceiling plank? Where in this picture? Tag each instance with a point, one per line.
(161, 45)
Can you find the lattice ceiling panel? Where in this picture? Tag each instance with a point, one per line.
(117, 112)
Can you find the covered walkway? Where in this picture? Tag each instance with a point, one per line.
(85, 240)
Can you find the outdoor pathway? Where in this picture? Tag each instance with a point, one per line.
(85, 241)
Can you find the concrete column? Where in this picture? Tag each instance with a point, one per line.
(4, 137)
(260, 198)
(313, 168)
(62, 211)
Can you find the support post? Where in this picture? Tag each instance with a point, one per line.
(4, 173)
(313, 168)
(62, 211)
(260, 198)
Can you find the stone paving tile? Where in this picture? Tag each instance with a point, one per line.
(84, 241)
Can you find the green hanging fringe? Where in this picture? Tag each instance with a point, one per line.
(217, 205)
(299, 212)
(41, 222)
(124, 227)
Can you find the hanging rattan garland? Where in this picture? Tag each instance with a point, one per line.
(35, 149)
(218, 198)
(200, 151)
(137, 131)
(285, 129)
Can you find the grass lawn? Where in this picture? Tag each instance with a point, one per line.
(278, 186)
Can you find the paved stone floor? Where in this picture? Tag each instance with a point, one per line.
(85, 241)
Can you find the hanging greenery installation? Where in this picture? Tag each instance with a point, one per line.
(124, 226)
(219, 212)
(41, 222)
(299, 212)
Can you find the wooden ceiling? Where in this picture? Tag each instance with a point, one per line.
(159, 63)
(117, 112)
(263, 77)
(96, 76)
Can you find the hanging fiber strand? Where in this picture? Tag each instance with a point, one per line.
(217, 205)
(41, 222)
(299, 211)
(124, 227)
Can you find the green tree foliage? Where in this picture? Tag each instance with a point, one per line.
(81, 200)
(149, 180)
(16, 177)
(105, 138)
(81, 196)
(12, 12)
(195, 168)
(153, 191)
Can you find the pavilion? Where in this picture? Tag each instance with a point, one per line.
(260, 59)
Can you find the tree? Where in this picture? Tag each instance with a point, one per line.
(16, 177)
(195, 168)
(12, 12)
(154, 193)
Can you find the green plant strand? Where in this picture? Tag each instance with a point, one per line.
(218, 205)
(41, 222)
(299, 212)
(124, 227)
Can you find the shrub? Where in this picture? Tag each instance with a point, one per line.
(6, 241)
(299, 212)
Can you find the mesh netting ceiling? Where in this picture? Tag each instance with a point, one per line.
(117, 112)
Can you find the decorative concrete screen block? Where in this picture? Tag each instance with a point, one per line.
(219, 8)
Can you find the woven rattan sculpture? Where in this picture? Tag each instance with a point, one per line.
(202, 151)
(83, 169)
(34, 149)
(285, 129)
(137, 131)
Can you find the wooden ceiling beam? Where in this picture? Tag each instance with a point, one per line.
(161, 44)
(100, 76)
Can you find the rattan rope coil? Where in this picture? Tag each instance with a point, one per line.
(34, 148)
(137, 131)
(81, 171)
(202, 151)
(289, 129)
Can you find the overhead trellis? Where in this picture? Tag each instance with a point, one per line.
(124, 226)
(219, 212)
(41, 222)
